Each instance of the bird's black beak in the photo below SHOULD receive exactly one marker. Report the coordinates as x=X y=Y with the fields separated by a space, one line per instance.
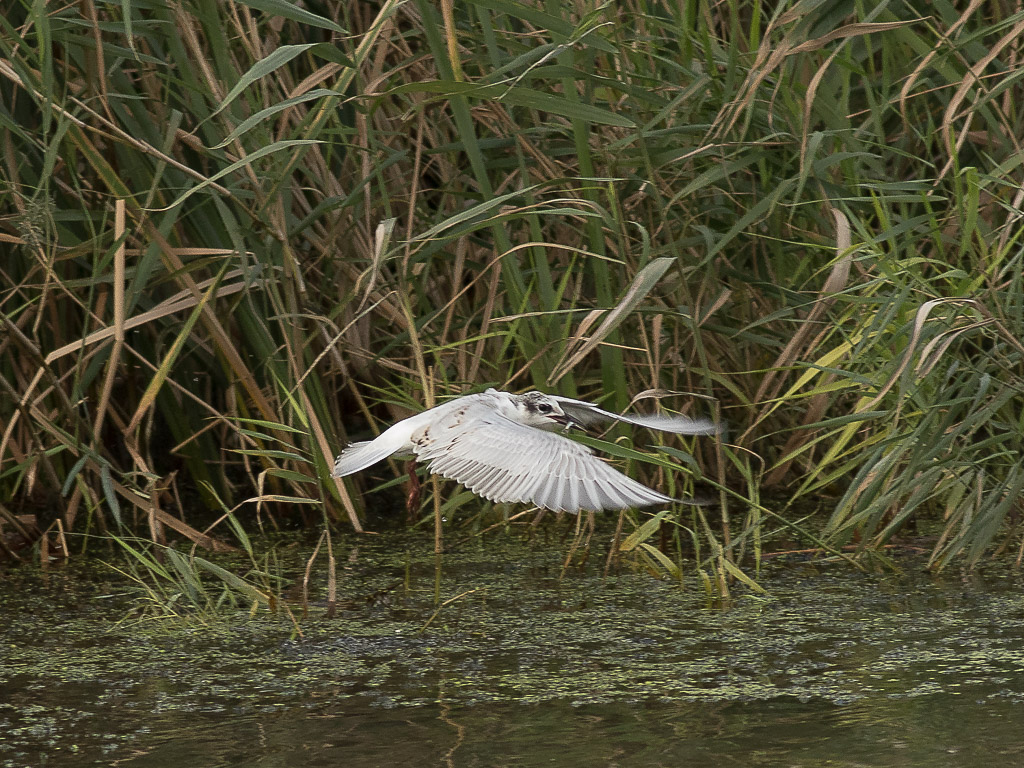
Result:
x=561 y=418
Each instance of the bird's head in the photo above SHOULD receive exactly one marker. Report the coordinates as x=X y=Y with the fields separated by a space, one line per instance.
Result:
x=535 y=409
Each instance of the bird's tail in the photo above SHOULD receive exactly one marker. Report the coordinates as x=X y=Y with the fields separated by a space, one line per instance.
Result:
x=359 y=456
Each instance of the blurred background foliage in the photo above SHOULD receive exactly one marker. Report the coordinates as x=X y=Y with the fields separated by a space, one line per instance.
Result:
x=238 y=234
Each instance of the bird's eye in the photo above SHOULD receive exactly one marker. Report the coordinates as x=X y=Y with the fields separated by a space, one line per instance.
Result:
x=544 y=408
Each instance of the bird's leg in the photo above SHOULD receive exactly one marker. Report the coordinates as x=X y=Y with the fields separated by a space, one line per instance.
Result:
x=412 y=500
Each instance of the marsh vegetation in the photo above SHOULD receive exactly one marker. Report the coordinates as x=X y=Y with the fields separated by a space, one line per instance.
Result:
x=239 y=234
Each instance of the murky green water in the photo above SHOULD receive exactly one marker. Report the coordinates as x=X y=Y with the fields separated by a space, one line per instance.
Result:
x=836 y=668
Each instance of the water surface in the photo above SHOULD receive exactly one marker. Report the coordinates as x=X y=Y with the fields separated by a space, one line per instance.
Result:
x=528 y=667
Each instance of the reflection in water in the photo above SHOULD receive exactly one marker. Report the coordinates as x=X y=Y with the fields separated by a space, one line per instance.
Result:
x=524 y=669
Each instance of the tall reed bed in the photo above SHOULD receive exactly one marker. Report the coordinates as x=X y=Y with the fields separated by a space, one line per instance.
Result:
x=238 y=233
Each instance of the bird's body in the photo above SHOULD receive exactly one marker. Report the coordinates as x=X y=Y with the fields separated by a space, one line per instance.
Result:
x=499 y=446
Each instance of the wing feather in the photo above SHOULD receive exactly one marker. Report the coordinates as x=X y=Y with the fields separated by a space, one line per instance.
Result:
x=360 y=456
x=587 y=414
x=505 y=461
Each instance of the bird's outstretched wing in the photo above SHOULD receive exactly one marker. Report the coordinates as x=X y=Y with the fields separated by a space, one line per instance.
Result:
x=505 y=461
x=586 y=414
x=360 y=456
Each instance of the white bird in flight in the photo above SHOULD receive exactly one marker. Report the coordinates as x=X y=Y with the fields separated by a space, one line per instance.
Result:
x=496 y=444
